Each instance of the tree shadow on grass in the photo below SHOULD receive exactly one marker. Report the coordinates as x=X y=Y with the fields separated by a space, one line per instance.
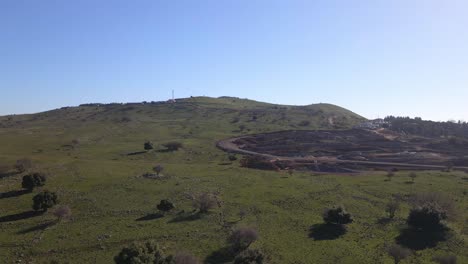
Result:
x=419 y=240
x=326 y=231
x=39 y=227
x=185 y=217
x=8 y=174
x=150 y=217
x=409 y=182
x=223 y=255
x=20 y=216
x=384 y=220
x=15 y=193
x=136 y=153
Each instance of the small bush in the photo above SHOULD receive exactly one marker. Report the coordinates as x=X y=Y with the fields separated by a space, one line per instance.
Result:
x=391 y=208
x=232 y=157
x=147 y=252
x=250 y=256
x=428 y=217
x=204 y=202
x=158 y=169
x=173 y=146
x=390 y=174
x=44 y=200
x=32 y=181
x=62 y=212
x=242 y=238
x=165 y=206
x=148 y=145
x=185 y=258
x=398 y=253
x=23 y=165
x=451 y=259
x=337 y=216
x=413 y=176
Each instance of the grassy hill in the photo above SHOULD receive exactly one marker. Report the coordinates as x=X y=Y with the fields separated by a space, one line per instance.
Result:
x=91 y=154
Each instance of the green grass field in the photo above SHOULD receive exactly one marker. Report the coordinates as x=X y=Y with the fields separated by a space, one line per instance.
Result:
x=109 y=197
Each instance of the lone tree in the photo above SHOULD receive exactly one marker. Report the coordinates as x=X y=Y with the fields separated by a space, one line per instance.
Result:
x=337 y=216
x=165 y=206
x=391 y=208
x=398 y=253
x=62 y=212
x=413 y=176
x=429 y=211
x=32 y=181
x=23 y=165
x=147 y=252
x=242 y=238
x=173 y=145
x=250 y=256
x=158 y=169
x=390 y=175
x=204 y=202
x=44 y=200
x=148 y=146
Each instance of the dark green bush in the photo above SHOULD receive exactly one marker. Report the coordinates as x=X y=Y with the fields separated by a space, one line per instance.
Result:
x=44 y=200
x=337 y=216
x=32 y=181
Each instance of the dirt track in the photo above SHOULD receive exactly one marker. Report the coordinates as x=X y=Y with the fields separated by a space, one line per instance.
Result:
x=249 y=145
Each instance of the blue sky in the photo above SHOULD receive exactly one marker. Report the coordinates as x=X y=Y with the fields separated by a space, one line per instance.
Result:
x=373 y=57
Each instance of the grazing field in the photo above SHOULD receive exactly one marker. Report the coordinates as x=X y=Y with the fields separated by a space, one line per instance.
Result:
x=95 y=162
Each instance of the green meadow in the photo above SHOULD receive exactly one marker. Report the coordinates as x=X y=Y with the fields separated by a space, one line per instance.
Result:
x=100 y=177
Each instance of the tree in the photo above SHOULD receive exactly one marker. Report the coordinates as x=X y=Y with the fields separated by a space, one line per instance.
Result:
x=450 y=259
x=62 y=212
x=428 y=217
x=185 y=258
x=23 y=165
x=391 y=208
x=413 y=176
x=44 y=200
x=398 y=253
x=173 y=145
x=142 y=253
x=165 y=206
x=390 y=175
x=250 y=256
x=204 y=202
x=148 y=146
x=337 y=216
x=158 y=169
x=242 y=238
x=32 y=181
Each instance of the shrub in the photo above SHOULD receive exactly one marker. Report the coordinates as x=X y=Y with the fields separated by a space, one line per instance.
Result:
x=250 y=256
x=165 y=206
x=158 y=169
x=391 y=208
x=32 y=181
x=44 y=200
x=428 y=217
x=62 y=212
x=413 y=176
x=390 y=174
x=148 y=145
x=185 y=258
x=242 y=238
x=232 y=157
x=147 y=252
x=398 y=253
x=23 y=165
x=337 y=216
x=173 y=145
x=451 y=259
x=204 y=202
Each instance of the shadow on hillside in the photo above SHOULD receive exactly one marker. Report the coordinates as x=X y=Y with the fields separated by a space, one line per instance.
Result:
x=20 y=216
x=150 y=217
x=409 y=182
x=223 y=255
x=15 y=193
x=136 y=153
x=419 y=240
x=164 y=150
x=39 y=227
x=8 y=174
x=326 y=231
x=185 y=217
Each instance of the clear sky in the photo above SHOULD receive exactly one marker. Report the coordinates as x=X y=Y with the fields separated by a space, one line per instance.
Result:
x=374 y=57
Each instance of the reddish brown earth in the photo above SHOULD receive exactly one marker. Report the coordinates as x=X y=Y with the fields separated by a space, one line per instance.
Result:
x=349 y=150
